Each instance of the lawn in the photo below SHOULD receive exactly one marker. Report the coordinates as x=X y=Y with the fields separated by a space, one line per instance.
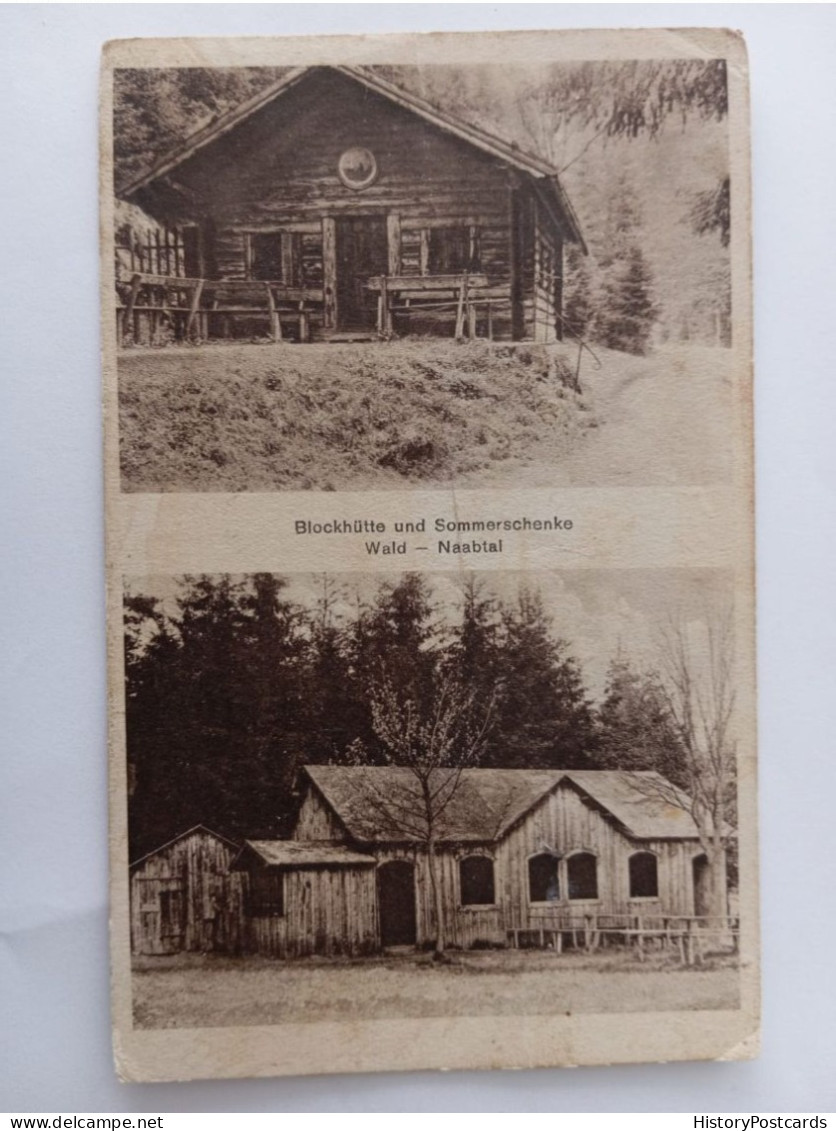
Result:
x=264 y=417
x=208 y=991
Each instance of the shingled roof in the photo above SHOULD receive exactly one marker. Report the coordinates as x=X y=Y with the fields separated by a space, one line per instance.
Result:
x=487 y=803
x=545 y=175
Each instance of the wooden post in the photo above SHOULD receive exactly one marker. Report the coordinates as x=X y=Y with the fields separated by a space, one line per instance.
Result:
x=424 y=255
x=288 y=241
x=393 y=242
x=490 y=321
x=460 y=307
x=127 y=318
x=275 y=321
x=193 y=307
x=329 y=272
x=304 y=324
x=385 y=313
x=471 y=319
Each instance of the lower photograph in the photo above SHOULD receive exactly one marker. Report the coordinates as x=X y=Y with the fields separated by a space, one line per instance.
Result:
x=415 y=795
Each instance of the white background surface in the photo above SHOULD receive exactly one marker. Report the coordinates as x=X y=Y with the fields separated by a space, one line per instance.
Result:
x=54 y=1022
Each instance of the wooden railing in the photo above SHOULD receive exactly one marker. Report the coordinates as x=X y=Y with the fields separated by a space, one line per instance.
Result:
x=191 y=308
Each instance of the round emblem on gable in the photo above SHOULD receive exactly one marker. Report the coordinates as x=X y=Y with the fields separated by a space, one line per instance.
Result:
x=357 y=168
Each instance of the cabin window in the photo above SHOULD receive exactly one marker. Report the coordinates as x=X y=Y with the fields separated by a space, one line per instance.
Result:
x=543 y=881
x=265 y=255
x=292 y=258
x=582 y=875
x=453 y=251
x=266 y=893
x=476 y=880
x=644 y=876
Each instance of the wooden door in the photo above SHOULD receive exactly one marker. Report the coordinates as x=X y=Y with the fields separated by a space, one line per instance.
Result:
x=362 y=251
x=172 y=919
x=396 y=903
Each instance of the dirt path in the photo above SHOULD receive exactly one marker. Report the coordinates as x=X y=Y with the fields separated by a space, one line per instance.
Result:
x=663 y=419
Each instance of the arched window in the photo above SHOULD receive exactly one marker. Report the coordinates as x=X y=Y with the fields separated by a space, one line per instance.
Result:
x=476 y=880
x=543 y=883
x=582 y=876
x=644 y=876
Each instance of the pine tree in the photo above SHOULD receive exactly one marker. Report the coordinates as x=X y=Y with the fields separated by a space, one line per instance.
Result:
x=635 y=728
x=627 y=312
x=579 y=307
x=543 y=716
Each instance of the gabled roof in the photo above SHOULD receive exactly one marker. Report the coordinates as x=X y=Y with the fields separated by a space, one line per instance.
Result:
x=638 y=799
x=182 y=836
x=380 y=803
x=299 y=854
x=509 y=152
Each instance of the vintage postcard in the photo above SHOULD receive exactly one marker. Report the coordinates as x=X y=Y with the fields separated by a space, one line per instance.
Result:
x=430 y=551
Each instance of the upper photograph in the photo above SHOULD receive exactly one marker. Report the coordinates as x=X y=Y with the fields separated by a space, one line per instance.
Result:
x=343 y=278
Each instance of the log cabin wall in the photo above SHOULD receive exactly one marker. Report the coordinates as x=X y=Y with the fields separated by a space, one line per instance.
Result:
x=184 y=897
x=279 y=175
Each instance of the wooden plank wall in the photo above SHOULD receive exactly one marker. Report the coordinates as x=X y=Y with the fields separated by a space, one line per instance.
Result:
x=327 y=910
x=196 y=871
x=568 y=824
x=316 y=820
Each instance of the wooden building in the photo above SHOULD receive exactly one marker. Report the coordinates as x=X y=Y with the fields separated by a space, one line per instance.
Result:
x=337 y=205
x=522 y=852
x=185 y=896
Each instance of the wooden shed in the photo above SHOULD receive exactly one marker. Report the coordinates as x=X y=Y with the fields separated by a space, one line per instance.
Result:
x=521 y=851
x=335 y=204
x=308 y=898
x=185 y=897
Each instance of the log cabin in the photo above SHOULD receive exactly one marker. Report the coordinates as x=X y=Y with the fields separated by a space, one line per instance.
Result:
x=335 y=205
x=523 y=856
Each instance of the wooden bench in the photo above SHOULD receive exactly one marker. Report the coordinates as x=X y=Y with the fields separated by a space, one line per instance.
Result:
x=398 y=293
x=279 y=304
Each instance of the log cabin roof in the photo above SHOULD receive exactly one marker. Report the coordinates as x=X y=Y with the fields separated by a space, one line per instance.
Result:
x=382 y=803
x=297 y=853
x=545 y=176
x=182 y=836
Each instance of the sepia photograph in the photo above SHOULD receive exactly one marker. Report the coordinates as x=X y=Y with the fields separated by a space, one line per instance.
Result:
x=397 y=276
x=391 y=796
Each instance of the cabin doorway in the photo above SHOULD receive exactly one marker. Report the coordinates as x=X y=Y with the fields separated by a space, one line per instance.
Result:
x=702 y=886
x=172 y=919
x=396 y=903
x=362 y=252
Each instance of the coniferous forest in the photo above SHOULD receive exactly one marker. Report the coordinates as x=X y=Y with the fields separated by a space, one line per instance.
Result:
x=232 y=686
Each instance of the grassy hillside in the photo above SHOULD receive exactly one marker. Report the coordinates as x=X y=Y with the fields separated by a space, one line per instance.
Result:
x=244 y=417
